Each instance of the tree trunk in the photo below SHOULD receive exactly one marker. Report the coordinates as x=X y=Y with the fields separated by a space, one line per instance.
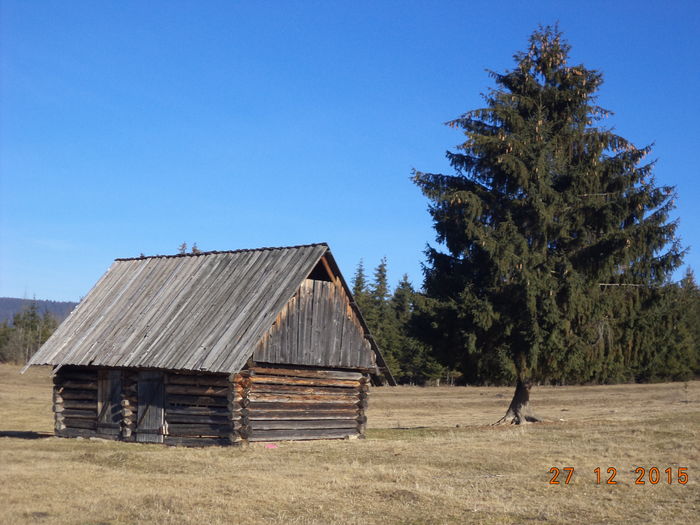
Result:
x=519 y=411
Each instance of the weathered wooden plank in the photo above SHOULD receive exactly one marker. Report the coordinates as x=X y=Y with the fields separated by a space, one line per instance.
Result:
x=195 y=410
x=349 y=413
x=301 y=389
x=79 y=414
x=326 y=356
x=293 y=338
x=196 y=442
x=79 y=385
x=316 y=324
x=306 y=317
x=80 y=404
x=335 y=325
x=195 y=390
x=282 y=424
x=79 y=394
x=198 y=380
x=351 y=397
x=178 y=429
x=288 y=435
x=307 y=372
x=283 y=380
x=195 y=419
x=254 y=406
x=64 y=376
x=176 y=399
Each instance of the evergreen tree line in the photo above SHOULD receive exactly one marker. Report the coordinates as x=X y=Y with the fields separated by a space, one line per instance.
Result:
x=22 y=337
x=653 y=336
x=388 y=316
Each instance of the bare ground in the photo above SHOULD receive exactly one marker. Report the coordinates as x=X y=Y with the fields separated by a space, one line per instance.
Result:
x=430 y=457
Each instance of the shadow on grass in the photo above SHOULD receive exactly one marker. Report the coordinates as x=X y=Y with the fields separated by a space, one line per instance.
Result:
x=25 y=434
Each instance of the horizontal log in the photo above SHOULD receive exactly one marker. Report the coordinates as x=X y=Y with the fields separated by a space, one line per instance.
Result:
x=196 y=442
x=196 y=390
x=302 y=414
x=79 y=394
x=301 y=389
x=79 y=385
x=289 y=435
x=80 y=423
x=349 y=424
x=283 y=380
x=75 y=432
x=199 y=411
x=299 y=398
x=78 y=414
x=197 y=400
x=196 y=419
x=80 y=404
x=64 y=376
x=203 y=380
x=310 y=372
x=262 y=405
x=198 y=430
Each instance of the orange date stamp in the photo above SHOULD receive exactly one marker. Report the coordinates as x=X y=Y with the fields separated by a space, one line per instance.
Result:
x=609 y=476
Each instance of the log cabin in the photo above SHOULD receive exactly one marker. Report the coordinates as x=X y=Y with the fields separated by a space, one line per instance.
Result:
x=215 y=348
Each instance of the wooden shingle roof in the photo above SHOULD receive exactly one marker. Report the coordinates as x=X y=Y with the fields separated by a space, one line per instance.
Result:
x=185 y=312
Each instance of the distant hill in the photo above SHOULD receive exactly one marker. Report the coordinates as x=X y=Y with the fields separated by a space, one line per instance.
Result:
x=9 y=306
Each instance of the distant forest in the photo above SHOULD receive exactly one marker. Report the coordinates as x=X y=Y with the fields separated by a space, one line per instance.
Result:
x=26 y=325
x=9 y=306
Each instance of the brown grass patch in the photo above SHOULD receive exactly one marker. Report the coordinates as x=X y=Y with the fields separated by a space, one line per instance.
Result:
x=441 y=473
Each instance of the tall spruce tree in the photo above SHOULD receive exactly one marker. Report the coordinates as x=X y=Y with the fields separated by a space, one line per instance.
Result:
x=360 y=289
x=547 y=213
x=381 y=319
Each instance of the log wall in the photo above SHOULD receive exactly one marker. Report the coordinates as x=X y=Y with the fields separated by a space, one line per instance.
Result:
x=261 y=403
x=285 y=403
x=75 y=402
x=198 y=409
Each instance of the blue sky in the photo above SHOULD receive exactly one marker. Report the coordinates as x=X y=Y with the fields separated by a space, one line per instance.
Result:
x=130 y=127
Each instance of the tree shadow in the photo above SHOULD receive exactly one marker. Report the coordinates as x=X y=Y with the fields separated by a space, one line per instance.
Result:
x=25 y=434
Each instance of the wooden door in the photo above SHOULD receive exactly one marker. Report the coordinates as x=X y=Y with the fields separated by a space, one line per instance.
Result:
x=109 y=396
x=151 y=408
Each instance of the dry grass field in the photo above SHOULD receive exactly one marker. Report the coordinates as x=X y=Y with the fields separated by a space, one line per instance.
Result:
x=430 y=457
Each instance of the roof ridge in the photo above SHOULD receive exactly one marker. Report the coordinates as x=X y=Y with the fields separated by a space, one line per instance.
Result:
x=214 y=252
